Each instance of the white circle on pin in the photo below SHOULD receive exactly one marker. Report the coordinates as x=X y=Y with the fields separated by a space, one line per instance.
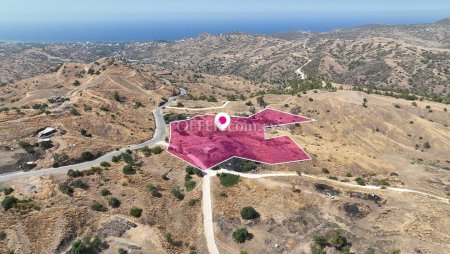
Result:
x=222 y=121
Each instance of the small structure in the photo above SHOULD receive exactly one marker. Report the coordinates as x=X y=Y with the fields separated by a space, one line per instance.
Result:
x=47 y=132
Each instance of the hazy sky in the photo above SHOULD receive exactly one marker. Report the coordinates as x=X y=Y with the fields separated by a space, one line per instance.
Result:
x=82 y=10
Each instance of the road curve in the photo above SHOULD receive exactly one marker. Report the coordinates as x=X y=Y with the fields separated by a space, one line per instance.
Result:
x=158 y=136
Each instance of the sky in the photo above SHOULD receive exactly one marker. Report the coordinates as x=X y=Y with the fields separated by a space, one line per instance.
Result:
x=20 y=19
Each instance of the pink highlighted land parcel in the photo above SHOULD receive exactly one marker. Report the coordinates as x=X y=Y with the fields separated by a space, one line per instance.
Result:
x=199 y=142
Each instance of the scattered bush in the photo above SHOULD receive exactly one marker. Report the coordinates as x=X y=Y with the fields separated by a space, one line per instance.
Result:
x=136 y=212
x=87 y=245
x=249 y=213
x=241 y=235
x=177 y=193
x=65 y=189
x=427 y=145
x=87 y=156
x=74 y=112
x=189 y=185
x=337 y=240
x=316 y=249
x=80 y=184
x=2 y=235
x=249 y=166
x=228 y=180
x=122 y=251
x=93 y=171
x=115 y=159
x=74 y=173
x=360 y=181
x=8 y=190
x=311 y=99
x=76 y=83
x=96 y=206
x=128 y=170
x=320 y=240
x=224 y=195
x=397 y=106
x=9 y=202
x=157 y=150
x=114 y=202
x=192 y=202
x=154 y=191
x=105 y=192
x=105 y=164
x=384 y=182
x=325 y=170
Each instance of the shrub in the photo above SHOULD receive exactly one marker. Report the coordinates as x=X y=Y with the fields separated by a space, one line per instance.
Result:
x=384 y=182
x=8 y=190
x=114 y=202
x=105 y=164
x=397 y=106
x=65 y=189
x=187 y=177
x=333 y=178
x=154 y=191
x=320 y=240
x=414 y=104
x=92 y=171
x=360 y=181
x=122 y=251
x=128 y=170
x=87 y=156
x=136 y=212
x=2 y=235
x=85 y=133
x=337 y=240
x=177 y=193
x=228 y=180
x=316 y=249
x=190 y=170
x=249 y=166
x=241 y=235
x=325 y=170
x=115 y=159
x=249 y=213
x=396 y=251
x=157 y=150
x=96 y=206
x=105 y=192
x=74 y=112
x=427 y=145
x=189 y=185
x=192 y=202
x=76 y=83
x=127 y=158
x=224 y=195
x=9 y=202
x=74 y=173
x=80 y=184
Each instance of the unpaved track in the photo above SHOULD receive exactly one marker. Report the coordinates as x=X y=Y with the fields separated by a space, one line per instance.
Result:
x=158 y=137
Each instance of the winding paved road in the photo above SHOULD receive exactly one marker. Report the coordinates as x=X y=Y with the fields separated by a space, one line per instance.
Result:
x=158 y=136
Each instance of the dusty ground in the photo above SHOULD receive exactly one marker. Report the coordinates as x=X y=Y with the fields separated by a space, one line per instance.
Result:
x=62 y=219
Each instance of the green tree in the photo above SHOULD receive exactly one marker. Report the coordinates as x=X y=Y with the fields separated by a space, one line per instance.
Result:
x=189 y=185
x=154 y=191
x=2 y=235
x=241 y=235
x=96 y=206
x=128 y=170
x=87 y=156
x=9 y=202
x=136 y=212
x=177 y=193
x=320 y=240
x=157 y=150
x=114 y=202
x=8 y=190
x=316 y=249
x=65 y=189
x=105 y=192
x=249 y=213
x=337 y=240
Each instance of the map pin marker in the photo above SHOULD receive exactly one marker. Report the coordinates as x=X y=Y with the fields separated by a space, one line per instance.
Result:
x=222 y=121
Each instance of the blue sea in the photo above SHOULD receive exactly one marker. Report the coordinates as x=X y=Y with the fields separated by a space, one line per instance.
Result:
x=179 y=27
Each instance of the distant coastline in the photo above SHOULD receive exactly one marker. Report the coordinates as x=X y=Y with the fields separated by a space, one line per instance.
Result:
x=144 y=31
